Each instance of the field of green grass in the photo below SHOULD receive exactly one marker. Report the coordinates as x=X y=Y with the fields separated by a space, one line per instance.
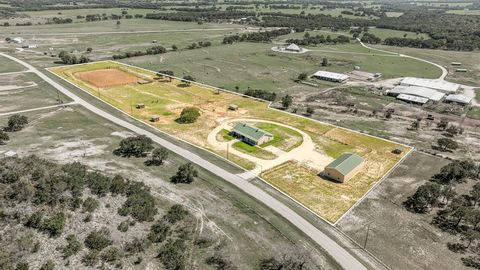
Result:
x=7 y=65
x=253 y=150
x=255 y=65
x=386 y=33
x=30 y=98
x=469 y=61
x=474 y=12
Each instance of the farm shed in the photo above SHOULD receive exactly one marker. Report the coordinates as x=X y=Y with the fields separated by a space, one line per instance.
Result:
x=251 y=134
x=345 y=167
x=233 y=107
x=460 y=99
x=330 y=76
x=423 y=92
x=293 y=47
x=442 y=86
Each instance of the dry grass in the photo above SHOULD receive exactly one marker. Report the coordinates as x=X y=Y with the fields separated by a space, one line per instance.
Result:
x=107 y=77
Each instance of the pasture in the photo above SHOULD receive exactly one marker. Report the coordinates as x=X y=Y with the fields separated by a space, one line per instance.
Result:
x=167 y=98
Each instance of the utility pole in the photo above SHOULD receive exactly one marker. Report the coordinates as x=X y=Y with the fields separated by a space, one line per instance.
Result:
x=366 y=237
x=228 y=146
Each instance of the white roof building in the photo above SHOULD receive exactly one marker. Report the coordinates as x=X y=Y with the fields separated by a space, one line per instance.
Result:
x=293 y=47
x=17 y=40
x=330 y=76
x=10 y=154
x=410 y=98
x=442 y=86
x=461 y=99
x=423 y=92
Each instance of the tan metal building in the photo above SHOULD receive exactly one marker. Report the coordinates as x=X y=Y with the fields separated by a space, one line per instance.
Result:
x=344 y=168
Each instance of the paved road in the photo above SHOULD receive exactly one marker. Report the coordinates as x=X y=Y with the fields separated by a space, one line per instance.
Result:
x=339 y=253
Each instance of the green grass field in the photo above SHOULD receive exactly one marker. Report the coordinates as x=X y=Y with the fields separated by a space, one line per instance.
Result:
x=386 y=33
x=254 y=65
x=164 y=96
x=253 y=150
x=7 y=65
x=474 y=12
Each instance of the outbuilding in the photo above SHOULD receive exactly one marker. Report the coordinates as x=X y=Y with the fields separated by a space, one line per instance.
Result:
x=293 y=48
x=344 y=168
x=330 y=76
x=250 y=134
x=439 y=85
x=154 y=118
x=459 y=99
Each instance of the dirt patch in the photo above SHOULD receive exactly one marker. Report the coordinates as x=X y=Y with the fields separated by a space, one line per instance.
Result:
x=107 y=77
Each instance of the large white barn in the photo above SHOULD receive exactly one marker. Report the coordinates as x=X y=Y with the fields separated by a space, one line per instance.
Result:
x=421 y=92
x=330 y=76
x=442 y=86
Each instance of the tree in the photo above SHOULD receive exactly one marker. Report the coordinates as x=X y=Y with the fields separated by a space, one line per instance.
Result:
x=187 y=79
x=302 y=76
x=475 y=193
x=22 y=266
x=456 y=171
x=168 y=73
x=310 y=110
x=159 y=155
x=73 y=246
x=54 y=224
x=16 y=122
x=134 y=146
x=174 y=47
x=452 y=130
x=442 y=124
x=140 y=205
x=186 y=174
x=98 y=239
x=415 y=124
x=447 y=144
x=3 y=137
x=89 y=49
x=324 y=62
x=189 y=115
x=425 y=197
x=287 y=101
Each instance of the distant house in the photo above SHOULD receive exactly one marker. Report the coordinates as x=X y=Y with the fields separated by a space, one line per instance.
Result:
x=456 y=63
x=140 y=106
x=251 y=134
x=293 y=48
x=330 y=76
x=233 y=107
x=17 y=40
x=154 y=118
x=344 y=168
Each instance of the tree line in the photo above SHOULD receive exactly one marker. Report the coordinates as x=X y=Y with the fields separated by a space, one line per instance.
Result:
x=207 y=16
x=149 y=51
x=319 y=39
x=263 y=36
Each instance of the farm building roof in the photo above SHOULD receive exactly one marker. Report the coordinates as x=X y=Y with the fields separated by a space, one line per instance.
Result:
x=442 y=86
x=249 y=131
x=346 y=163
x=411 y=98
x=422 y=92
x=293 y=47
x=330 y=75
x=459 y=99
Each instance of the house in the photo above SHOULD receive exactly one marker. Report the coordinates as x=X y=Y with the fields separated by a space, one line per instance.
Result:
x=17 y=40
x=140 y=106
x=344 y=168
x=9 y=154
x=250 y=134
x=330 y=76
x=456 y=63
x=293 y=48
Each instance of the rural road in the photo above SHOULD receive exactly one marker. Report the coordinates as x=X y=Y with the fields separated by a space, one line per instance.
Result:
x=340 y=254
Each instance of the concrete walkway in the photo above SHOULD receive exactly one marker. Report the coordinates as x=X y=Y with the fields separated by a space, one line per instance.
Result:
x=338 y=252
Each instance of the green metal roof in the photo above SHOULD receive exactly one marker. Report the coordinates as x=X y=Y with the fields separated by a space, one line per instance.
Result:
x=249 y=131
x=346 y=163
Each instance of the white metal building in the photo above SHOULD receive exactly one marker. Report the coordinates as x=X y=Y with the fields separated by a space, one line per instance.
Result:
x=422 y=92
x=442 y=86
x=412 y=99
x=460 y=99
x=330 y=76
x=293 y=47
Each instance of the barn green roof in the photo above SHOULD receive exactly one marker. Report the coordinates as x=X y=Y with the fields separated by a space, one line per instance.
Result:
x=345 y=163
x=250 y=132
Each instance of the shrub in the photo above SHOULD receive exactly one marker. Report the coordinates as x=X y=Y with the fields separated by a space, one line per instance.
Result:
x=189 y=115
x=134 y=146
x=176 y=213
x=54 y=225
x=98 y=239
x=90 y=204
x=172 y=254
x=159 y=231
x=111 y=254
x=140 y=206
x=135 y=246
x=16 y=122
x=98 y=183
x=48 y=265
x=22 y=266
x=186 y=173
x=73 y=246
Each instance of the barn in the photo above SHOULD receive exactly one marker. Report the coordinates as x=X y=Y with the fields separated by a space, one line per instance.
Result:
x=251 y=134
x=344 y=168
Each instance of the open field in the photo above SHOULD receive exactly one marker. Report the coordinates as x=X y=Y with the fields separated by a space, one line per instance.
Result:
x=255 y=65
x=401 y=239
x=445 y=58
x=107 y=77
x=167 y=99
x=474 y=12
x=75 y=134
x=386 y=33
x=32 y=92
x=7 y=65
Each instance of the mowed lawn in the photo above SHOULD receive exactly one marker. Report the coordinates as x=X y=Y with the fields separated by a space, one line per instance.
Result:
x=7 y=65
x=167 y=99
x=240 y=66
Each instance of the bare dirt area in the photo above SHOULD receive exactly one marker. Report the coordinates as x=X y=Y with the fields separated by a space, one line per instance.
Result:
x=105 y=78
x=401 y=239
